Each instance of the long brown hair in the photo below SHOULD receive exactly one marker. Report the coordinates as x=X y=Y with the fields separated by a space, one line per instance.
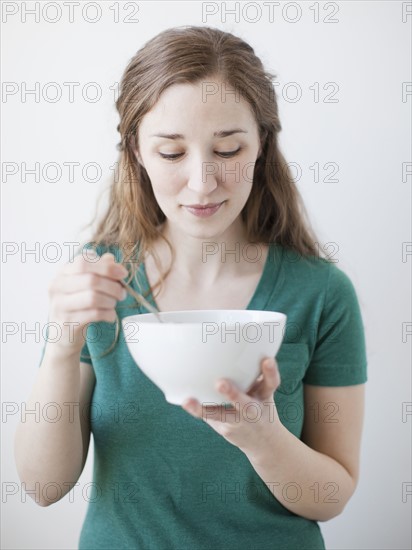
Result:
x=274 y=211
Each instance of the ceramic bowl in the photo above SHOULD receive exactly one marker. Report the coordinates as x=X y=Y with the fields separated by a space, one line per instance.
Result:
x=187 y=353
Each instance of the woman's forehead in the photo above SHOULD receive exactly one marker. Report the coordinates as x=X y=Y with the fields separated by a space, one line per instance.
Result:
x=182 y=106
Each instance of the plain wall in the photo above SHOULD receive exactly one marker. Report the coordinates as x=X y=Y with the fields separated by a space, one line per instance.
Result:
x=366 y=212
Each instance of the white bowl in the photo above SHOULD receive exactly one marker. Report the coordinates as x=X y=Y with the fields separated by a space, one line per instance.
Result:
x=187 y=354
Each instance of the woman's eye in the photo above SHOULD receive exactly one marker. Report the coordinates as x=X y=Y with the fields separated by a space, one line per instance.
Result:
x=230 y=153
x=175 y=156
x=170 y=157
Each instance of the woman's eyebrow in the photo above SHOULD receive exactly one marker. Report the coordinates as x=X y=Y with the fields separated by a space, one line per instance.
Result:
x=220 y=134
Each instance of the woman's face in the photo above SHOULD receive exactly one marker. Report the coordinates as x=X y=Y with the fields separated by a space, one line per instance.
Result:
x=199 y=145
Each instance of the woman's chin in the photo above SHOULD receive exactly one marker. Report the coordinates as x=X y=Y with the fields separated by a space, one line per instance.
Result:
x=204 y=232
x=187 y=224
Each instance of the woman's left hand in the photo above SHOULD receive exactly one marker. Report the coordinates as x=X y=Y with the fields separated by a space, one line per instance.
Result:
x=253 y=417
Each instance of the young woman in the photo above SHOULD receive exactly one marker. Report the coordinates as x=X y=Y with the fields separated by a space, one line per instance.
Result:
x=203 y=207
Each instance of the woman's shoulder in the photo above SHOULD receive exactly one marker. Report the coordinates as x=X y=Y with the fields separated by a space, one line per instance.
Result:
x=313 y=269
x=295 y=260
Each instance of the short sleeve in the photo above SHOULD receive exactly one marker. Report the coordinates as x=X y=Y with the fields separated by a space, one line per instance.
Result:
x=339 y=356
x=85 y=354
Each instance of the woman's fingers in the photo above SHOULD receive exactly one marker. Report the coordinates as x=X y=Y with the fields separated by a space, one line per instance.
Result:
x=255 y=384
x=270 y=381
x=87 y=299
x=262 y=389
x=85 y=290
x=79 y=282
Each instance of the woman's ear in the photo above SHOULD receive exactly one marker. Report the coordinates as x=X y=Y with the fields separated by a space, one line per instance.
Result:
x=138 y=157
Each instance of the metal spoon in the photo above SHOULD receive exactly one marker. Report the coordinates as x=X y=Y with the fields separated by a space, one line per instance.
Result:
x=141 y=300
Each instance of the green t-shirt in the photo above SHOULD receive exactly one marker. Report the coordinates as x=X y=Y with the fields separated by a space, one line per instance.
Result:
x=166 y=480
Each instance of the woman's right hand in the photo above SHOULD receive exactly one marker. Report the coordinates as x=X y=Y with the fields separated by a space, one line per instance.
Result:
x=84 y=291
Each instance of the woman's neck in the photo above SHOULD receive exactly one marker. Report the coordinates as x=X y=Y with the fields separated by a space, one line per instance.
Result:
x=205 y=260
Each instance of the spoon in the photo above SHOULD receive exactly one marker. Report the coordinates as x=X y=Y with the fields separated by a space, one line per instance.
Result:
x=141 y=300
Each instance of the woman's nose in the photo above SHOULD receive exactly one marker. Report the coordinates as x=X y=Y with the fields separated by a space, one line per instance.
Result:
x=202 y=176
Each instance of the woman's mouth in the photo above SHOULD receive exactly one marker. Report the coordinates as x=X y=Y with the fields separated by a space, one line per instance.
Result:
x=204 y=211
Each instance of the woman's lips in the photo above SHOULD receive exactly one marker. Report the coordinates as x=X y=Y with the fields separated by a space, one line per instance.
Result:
x=204 y=212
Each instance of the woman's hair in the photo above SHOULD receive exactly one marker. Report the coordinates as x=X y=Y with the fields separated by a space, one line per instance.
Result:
x=274 y=211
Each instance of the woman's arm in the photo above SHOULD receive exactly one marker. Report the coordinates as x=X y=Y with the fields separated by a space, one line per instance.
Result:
x=316 y=477
x=51 y=450
x=313 y=478
x=48 y=451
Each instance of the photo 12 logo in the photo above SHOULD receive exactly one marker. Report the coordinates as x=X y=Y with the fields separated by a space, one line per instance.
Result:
x=270 y=12
x=70 y=12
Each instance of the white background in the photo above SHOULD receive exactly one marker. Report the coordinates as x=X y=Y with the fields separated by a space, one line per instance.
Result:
x=366 y=213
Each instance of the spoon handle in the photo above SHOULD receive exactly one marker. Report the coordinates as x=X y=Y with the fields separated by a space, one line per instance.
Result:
x=141 y=300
